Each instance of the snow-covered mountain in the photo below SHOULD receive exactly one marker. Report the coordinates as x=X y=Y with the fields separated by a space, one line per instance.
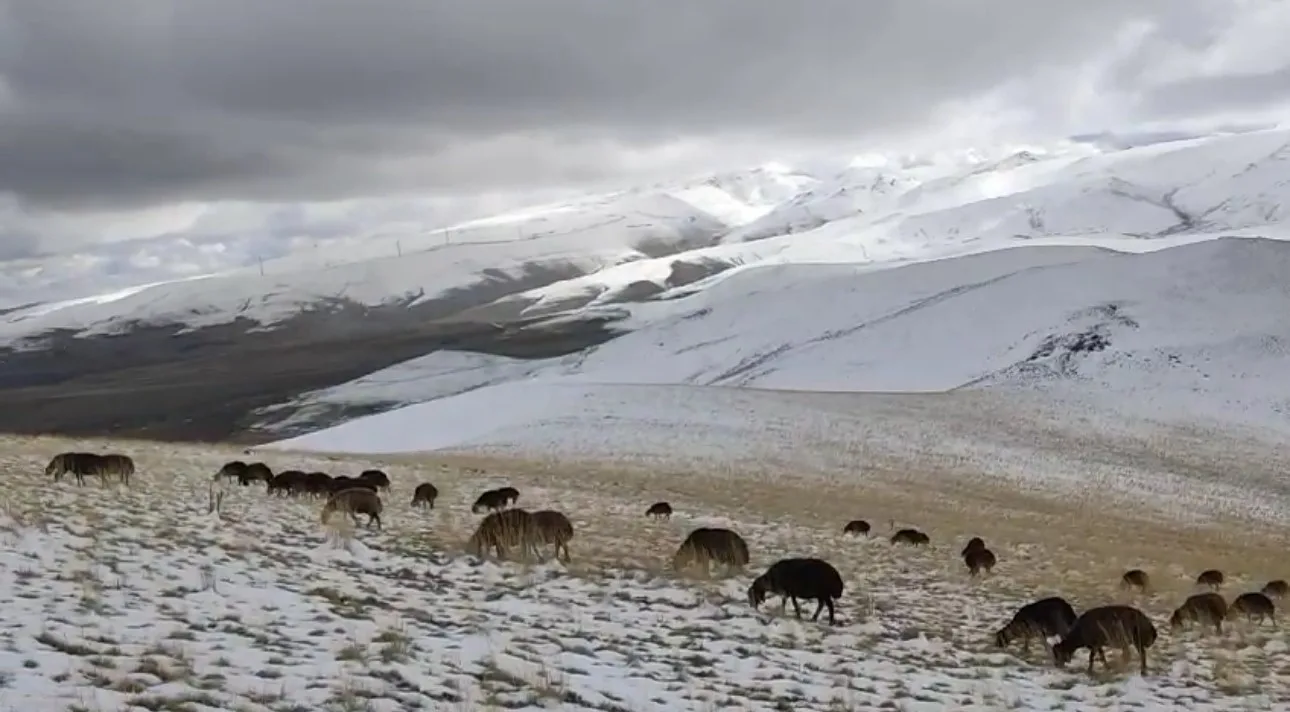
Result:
x=569 y=279
x=1194 y=333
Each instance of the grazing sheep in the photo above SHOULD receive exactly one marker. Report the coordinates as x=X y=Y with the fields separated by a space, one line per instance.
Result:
x=355 y=501
x=231 y=470
x=117 y=465
x=554 y=528
x=1097 y=628
x=707 y=544
x=978 y=559
x=376 y=477
x=341 y=483
x=1135 y=578
x=1212 y=578
x=491 y=500
x=1201 y=608
x=806 y=578
x=317 y=484
x=912 y=537
x=255 y=472
x=856 y=527
x=1042 y=619
x=659 y=510
x=287 y=482
x=510 y=495
x=79 y=464
x=1254 y=606
x=505 y=530
x=424 y=495
x=1276 y=589
x=973 y=544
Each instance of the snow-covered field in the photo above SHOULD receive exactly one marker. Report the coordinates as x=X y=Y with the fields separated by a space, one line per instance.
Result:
x=139 y=599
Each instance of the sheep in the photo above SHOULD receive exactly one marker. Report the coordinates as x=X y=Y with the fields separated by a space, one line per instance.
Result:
x=342 y=483
x=1254 y=606
x=705 y=545
x=805 y=578
x=1276 y=589
x=1212 y=578
x=285 y=483
x=491 y=499
x=317 y=483
x=978 y=559
x=231 y=470
x=509 y=495
x=1041 y=619
x=1201 y=608
x=376 y=477
x=116 y=465
x=1099 y=627
x=1135 y=578
x=79 y=464
x=554 y=528
x=856 y=527
x=973 y=544
x=355 y=501
x=503 y=530
x=255 y=472
x=424 y=495
x=912 y=537
x=659 y=510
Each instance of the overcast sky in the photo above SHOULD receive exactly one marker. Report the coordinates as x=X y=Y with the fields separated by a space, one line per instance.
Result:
x=111 y=113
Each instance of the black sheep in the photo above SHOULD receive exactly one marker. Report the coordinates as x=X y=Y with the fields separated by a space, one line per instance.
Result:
x=1255 y=606
x=978 y=560
x=1041 y=619
x=659 y=510
x=856 y=526
x=1201 y=608
x=1117 y=625
x=806 y=578
x=910 y=536
x=973 y=544
x=1212 y=578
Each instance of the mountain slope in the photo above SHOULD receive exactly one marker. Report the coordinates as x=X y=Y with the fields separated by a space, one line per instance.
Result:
x=1194 y=331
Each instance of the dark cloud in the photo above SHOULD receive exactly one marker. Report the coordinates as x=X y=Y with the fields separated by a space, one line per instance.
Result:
x=136 y=102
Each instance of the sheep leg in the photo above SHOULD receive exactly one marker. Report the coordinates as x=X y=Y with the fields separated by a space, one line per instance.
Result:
x=783 y=604
x=797 y=609
x=1142 y=655
x=829 y=602
x=818 y=609
x=374 y=518
x=1092 y=654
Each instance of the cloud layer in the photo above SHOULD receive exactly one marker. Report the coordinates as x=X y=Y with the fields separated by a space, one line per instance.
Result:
x=136 y=104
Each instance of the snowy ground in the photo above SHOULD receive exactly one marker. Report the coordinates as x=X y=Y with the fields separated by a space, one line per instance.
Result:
x=138 y=599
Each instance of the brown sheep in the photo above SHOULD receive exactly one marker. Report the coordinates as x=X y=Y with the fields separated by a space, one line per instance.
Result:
x=79 y=464
x=554 y=528
x=806 y=578
x=978 y=560
x=255 y=472
x=1256 y=607
x=1135 y=578
x=503 y=531
x=231 y=470
x=1097 y=628
x=973 y=544
x=1276 y=589
x=707 y=544
x=1212 y=578
x=355 y=501
x=317 y=484
x=375 y=477
x=856 y=527
x=424 y=495
x=1201 y=608
x=287 y=482
x=912 y=537
x=490 y=500
x=659 y=510
x=115 y=465
x=1041 y=619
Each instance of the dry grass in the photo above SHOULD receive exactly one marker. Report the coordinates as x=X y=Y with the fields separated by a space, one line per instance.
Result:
x=915 y=611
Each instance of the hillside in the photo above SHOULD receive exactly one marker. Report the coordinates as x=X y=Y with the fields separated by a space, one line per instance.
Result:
x=1190 y=332
x=204 y=354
